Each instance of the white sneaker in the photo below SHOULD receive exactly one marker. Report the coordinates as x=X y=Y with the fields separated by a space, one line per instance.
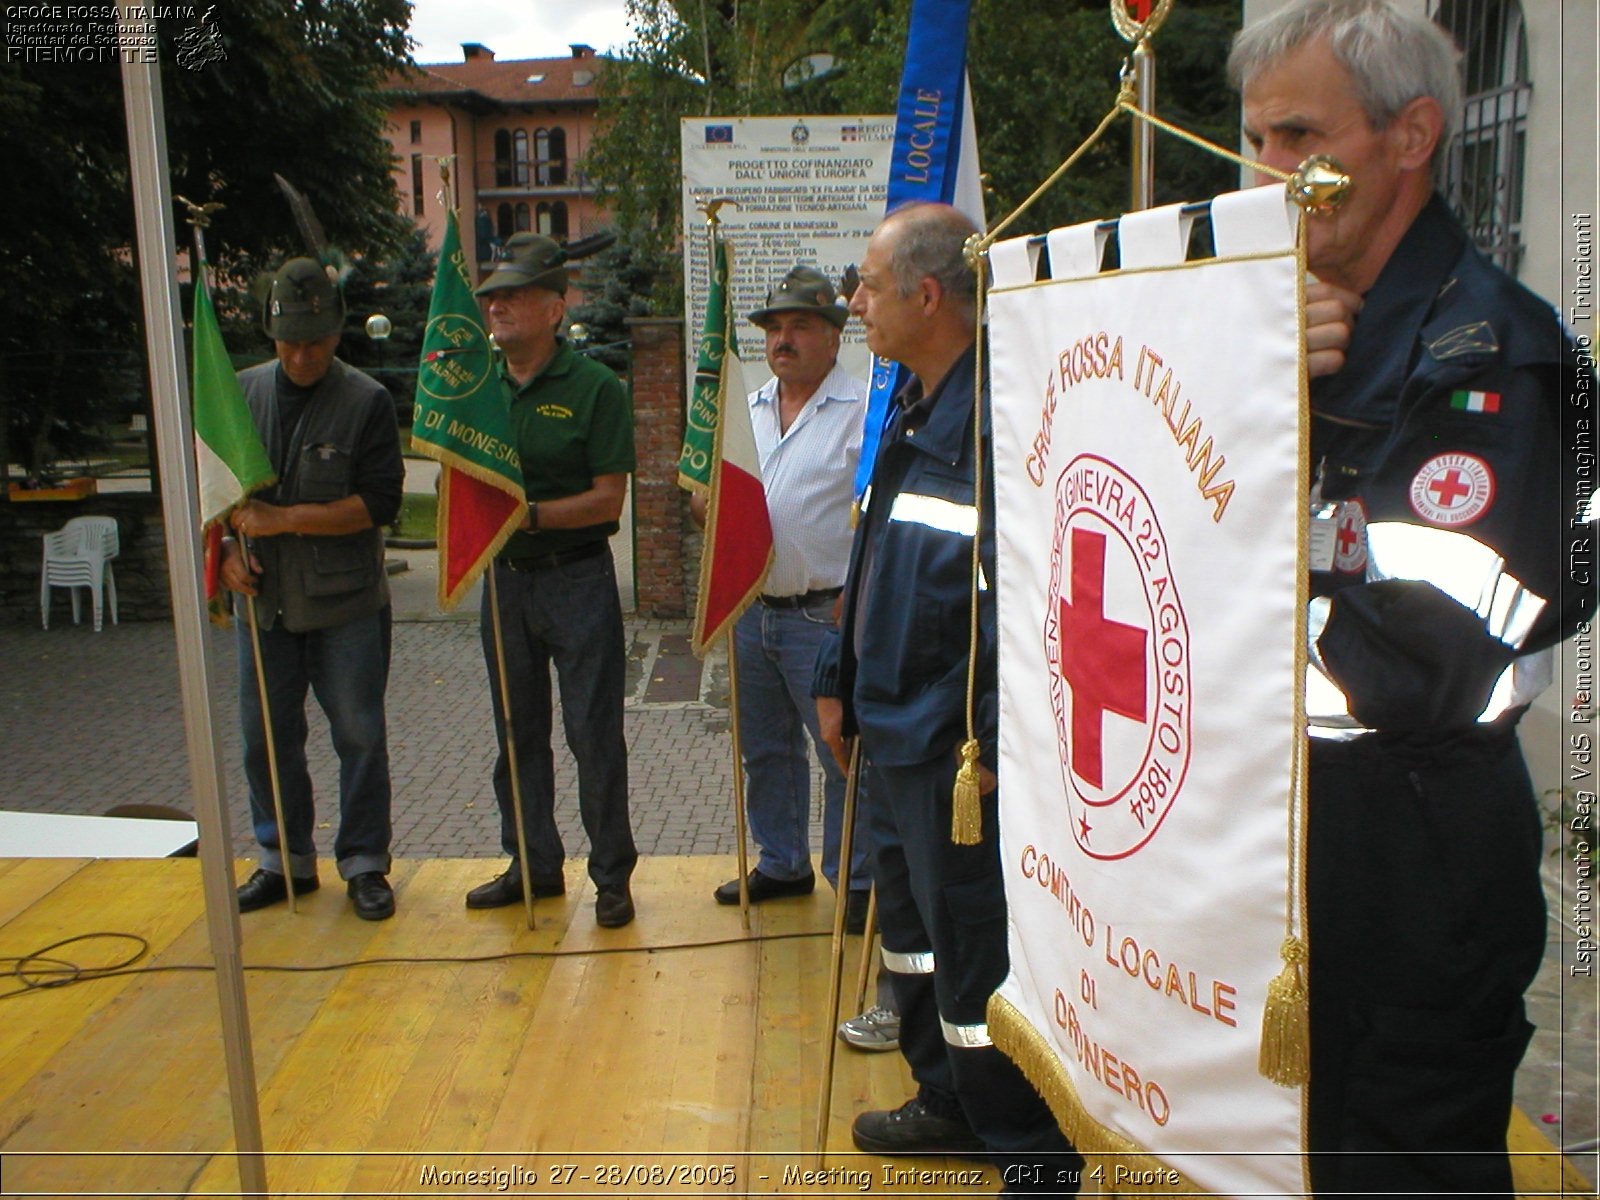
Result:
x=876 y=1029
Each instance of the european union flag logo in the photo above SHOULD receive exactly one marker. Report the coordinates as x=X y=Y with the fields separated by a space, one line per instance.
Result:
x=719 y=133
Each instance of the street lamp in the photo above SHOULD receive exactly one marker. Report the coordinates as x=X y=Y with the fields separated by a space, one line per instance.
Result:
x=579 y=335
x=379 y=327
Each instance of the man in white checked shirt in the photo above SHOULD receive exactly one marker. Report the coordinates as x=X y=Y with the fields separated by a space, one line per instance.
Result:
x=807 y=421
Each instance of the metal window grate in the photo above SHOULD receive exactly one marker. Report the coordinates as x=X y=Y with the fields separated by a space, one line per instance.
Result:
x=1483 y=179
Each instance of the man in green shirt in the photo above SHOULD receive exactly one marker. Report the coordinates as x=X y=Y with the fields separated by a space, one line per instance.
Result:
x=573 y=428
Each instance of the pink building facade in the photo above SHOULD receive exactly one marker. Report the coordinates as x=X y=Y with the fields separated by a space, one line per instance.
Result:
x=519 y=131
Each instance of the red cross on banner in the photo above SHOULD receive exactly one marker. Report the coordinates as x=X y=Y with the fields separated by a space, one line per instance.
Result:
x=1102 y=661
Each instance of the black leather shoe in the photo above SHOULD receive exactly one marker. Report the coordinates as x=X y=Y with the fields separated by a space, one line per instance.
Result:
x=765 y=887
x=855 y=912
x=267 y=887
x=613 y=905
x=507 y=889
x=913 y=1129
x=372 y=896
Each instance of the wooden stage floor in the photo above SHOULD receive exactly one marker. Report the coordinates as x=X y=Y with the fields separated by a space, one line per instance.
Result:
x=574 y=1061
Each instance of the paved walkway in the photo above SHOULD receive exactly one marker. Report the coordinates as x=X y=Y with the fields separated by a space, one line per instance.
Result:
x=96 y=720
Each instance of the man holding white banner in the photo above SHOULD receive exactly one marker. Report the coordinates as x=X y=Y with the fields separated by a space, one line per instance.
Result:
x=1443 y=494
x=897 y=675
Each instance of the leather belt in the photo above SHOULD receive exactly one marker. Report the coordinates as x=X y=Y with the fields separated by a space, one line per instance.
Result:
x=804 y=599
x=556 y=558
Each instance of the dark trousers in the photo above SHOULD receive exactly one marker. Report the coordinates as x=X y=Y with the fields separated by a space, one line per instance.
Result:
x=948 y=900
x=1427 y=923
x=570 y=617
x=347 y=668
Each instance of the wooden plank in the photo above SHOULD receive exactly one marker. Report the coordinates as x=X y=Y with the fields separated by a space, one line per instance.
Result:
x=643 y=1062
x=155 y=899
x=461 y=1070
x=25 y=881
x=1537 y=1167
x=629 y=1008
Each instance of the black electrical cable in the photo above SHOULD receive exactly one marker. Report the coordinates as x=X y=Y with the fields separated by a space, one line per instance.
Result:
x=65 y=973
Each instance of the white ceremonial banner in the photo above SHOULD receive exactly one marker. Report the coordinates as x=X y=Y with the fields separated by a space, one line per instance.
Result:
x=1146 y=445
x=805 y=190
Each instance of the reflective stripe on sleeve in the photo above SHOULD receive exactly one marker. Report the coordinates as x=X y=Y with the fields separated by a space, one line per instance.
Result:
x=968 y=1037
x=908 y=964
x=1463 y=568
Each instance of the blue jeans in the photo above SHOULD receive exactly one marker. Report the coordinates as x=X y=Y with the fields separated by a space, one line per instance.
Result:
x=569 y=616
x=347 y=666
x=776 y=650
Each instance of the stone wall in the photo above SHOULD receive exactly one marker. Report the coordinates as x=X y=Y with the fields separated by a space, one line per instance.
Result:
x=143 y=591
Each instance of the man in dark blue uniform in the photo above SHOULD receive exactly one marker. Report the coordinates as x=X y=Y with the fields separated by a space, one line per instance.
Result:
x=897 y=676
x=1449 y=493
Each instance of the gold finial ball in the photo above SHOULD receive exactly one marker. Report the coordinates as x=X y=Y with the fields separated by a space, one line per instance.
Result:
x=1320 y=185
x=972 y=250
x=1133 y=30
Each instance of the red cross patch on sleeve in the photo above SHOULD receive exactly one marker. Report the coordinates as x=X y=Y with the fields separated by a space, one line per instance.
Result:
x=1452 y=490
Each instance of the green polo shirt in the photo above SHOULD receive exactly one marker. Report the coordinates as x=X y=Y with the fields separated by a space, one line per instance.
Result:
x=572 y=423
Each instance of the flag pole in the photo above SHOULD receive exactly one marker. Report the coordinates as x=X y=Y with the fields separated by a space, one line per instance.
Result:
x=156 y=257
x=841 y=900
x=197 y=221
x=869 y=931
x=511 y=745
x=198 y=218
x=272 y=746
x=738 y=769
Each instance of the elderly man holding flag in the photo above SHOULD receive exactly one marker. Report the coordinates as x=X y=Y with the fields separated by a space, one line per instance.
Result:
x=571 y=429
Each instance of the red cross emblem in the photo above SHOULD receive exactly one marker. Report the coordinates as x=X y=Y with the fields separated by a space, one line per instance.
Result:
x=1102 y=661
x=1452 y=489
x=1117 y=643
x=1350 y=541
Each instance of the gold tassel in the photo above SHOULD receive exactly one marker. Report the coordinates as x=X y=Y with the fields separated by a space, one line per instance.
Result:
x=1285 y=1021
x=966 y=817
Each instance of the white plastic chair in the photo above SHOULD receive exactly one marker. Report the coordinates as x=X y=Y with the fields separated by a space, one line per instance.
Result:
x=79 y=555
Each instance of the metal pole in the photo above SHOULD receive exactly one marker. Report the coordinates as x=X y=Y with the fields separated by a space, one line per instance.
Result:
x=170 y=403
x=836 y=966
x=1144 y=134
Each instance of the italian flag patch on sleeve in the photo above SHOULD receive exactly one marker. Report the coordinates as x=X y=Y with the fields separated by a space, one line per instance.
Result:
x=1478 y=402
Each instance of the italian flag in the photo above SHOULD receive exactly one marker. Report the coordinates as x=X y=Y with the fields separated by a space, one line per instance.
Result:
x=461 y=420
x=719 y=457
x=231 y=461
x=1478 y=402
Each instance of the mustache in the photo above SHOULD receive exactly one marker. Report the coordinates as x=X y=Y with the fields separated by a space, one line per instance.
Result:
x=784 y=348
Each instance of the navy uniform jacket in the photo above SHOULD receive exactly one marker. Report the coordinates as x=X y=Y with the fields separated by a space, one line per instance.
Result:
x=900 y=660
x=1455 y=431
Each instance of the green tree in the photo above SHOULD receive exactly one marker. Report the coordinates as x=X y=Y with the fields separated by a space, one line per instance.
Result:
x=298 y=93
x=618 y=283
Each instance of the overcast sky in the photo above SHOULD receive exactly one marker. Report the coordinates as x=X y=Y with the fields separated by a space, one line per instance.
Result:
x=515 y=28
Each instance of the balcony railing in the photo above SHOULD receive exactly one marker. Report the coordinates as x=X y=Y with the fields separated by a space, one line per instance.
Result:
x=512 y=174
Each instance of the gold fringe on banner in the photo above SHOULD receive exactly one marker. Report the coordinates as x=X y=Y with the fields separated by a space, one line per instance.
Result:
x=1103 y=1149
x=1285 y=1020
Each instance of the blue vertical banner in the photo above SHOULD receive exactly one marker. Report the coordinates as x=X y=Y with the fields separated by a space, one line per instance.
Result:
x=935 y=158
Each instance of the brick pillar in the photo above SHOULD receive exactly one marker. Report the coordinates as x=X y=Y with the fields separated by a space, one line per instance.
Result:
x=659 y=505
